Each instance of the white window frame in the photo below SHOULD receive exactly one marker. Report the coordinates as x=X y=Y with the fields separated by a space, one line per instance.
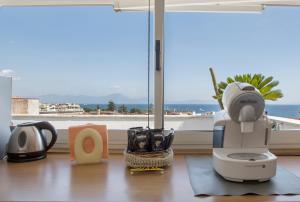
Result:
x=187 y=140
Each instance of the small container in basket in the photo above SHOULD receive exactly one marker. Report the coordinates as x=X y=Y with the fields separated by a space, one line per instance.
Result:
x=149 y=148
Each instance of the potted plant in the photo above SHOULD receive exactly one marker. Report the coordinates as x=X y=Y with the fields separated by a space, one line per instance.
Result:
x=264 y=84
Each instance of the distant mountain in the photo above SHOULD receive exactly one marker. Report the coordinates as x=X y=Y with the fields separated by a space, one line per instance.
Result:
x=117 y=98
x=85 y=99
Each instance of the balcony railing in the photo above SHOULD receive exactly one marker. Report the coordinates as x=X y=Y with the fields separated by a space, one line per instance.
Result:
x=192 y=131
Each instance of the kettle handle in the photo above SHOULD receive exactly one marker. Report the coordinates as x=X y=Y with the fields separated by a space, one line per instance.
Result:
x=44 y=125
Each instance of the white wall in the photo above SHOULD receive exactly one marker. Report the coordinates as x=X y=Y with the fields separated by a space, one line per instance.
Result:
x=5 y=112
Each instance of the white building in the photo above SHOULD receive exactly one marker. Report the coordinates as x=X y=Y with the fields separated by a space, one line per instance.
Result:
x=29 y=106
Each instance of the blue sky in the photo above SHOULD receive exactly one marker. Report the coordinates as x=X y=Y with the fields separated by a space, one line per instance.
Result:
x=95 y=51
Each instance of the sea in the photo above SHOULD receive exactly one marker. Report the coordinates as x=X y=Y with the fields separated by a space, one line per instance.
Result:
x=288 y=111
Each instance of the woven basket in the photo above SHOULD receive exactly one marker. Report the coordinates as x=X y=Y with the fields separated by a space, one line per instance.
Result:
x=149 y=159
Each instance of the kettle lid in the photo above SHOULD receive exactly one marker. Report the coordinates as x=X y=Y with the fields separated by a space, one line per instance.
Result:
x=27 y=124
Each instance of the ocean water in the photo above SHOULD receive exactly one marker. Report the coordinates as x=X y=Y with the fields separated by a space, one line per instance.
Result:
x=288 y=111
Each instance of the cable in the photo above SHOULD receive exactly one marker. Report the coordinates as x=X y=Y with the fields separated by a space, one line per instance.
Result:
x=148 y=45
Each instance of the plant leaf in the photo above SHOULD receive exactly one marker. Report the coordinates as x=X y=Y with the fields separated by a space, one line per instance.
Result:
x=268 y=87
x=230 y=80
x=222 y=85
x=273 y=95
x=265 y=82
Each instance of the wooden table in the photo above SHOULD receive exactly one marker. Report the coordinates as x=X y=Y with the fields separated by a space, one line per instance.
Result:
x=56 y=179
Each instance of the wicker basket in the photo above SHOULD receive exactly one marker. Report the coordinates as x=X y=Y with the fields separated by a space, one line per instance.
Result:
x=149 y=159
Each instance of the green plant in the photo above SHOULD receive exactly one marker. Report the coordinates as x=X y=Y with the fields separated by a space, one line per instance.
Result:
x=264 y=84
x=87 y=109
x=123 y=109
x=135 y=111
x=111 y=106
x=218 y=92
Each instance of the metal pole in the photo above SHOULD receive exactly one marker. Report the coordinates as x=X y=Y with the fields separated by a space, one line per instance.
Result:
x=159 y=10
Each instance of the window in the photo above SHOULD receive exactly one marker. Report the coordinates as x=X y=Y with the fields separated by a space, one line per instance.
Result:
x=265 y=43
x=71 y=56
x=91 y=55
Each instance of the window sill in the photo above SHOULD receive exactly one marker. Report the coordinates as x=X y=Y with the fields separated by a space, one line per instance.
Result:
x=189 y=141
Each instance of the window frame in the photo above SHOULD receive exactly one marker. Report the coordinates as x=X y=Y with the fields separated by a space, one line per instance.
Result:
x=187 y=140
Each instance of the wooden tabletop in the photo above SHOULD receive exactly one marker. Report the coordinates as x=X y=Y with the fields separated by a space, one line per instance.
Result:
x=56 y=179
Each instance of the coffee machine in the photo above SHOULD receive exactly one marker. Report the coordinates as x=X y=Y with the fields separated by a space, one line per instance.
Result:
x=241 y=135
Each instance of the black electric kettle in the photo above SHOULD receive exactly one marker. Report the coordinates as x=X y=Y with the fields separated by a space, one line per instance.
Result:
x=28 y=143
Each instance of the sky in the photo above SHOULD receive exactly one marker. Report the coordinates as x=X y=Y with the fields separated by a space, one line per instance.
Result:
x=95 y=51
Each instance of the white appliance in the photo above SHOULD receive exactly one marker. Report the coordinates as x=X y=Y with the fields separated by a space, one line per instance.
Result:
x=241 y=135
